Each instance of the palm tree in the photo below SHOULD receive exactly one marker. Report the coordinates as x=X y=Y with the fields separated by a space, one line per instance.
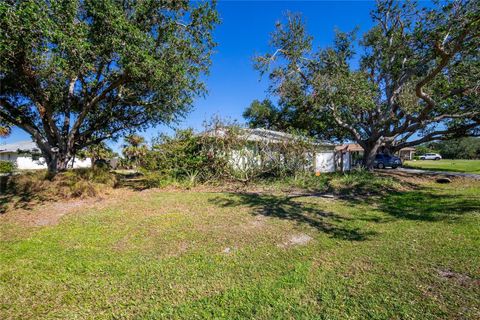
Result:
x=134 y=149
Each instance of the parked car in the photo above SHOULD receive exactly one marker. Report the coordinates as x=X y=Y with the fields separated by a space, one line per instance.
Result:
x=430 y=156
x=385 y=160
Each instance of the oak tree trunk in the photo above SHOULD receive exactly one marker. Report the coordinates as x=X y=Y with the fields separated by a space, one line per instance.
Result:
x=369 y=152
x=57 y=161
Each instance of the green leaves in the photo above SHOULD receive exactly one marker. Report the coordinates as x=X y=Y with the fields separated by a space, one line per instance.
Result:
x=418 y=74
x=86 y=71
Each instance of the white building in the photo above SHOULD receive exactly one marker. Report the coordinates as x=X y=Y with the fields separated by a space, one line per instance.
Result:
x=321 y=158
x=25 y=155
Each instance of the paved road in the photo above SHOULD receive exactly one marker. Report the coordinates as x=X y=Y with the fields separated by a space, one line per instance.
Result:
x=443 y=173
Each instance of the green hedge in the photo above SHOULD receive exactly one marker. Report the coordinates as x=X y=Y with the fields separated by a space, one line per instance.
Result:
x=6 y=167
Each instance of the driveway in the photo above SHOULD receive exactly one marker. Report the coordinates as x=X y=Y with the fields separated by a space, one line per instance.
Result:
x=441 y=173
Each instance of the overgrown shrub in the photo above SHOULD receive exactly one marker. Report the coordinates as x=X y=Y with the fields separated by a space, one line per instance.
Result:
x=245 y=155
x=155 y=179
x=306 y=182
x=176 y=157
x=70 y=184
x=226 y=153
x=6 y=167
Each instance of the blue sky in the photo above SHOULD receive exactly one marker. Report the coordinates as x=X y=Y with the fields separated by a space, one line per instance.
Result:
x=244 y=31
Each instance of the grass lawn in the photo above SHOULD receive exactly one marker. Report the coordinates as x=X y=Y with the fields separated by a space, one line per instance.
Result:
x=468 y=166
x=411 y=254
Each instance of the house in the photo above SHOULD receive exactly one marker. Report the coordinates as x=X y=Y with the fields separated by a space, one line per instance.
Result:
x=406 y=153
x=354 y=152
x=320 y=157
x=25 y=155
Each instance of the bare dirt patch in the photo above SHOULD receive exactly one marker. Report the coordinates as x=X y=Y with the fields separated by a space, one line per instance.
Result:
x=50 y=213
x=411 y=180
x=459 y=278
x=56 y=211
x=296 y=240
x=257 y=222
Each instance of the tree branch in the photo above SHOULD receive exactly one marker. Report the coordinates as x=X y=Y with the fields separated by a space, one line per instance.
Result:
x=81 y=117
x=16 y=118
x=68 y=108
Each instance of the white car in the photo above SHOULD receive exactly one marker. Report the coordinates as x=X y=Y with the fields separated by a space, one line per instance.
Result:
x=430 y=156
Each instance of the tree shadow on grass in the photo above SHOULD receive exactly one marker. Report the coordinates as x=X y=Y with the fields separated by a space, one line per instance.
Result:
x=286 y=208
x=425 y=205
x=25 y=200
x=26 y=197
x=420 y=203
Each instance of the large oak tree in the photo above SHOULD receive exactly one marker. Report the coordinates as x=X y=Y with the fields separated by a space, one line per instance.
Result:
x=74 y=73
x=418 y=77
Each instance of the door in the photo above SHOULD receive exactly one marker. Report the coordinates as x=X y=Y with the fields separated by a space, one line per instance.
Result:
x=325 y=162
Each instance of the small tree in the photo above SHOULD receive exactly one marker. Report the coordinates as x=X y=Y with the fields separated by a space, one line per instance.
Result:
x=134 y=149
x=179 y=156
x=417 y=81
x=75 y=73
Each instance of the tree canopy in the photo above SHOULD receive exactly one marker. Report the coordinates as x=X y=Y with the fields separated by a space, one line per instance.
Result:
x=418 y=77
x=462 y=148
x=75 y=73
x=292 y=118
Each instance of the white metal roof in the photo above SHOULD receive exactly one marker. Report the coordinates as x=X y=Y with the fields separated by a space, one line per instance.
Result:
x=260 y=134
x=25 y=146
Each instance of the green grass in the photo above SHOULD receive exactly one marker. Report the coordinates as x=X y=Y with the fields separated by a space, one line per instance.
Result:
x=467 y=166
x=411 y=254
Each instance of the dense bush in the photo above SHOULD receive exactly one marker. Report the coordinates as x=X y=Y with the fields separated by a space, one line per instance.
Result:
x=176 y=157
x=224 y=153
x=6 y=167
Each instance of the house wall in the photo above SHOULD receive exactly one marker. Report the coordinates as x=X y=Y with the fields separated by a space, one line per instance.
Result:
x=7 y=157
x=25 y=162
x=325 y=161
x=245 y=159
x=86 y=163
x=347 y=166
x=406 y=154
x=321 y=161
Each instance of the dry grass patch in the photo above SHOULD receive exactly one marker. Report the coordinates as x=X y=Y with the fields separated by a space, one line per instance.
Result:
x=30 y=189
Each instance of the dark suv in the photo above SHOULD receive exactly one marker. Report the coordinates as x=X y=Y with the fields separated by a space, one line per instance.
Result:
x=385 y=160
